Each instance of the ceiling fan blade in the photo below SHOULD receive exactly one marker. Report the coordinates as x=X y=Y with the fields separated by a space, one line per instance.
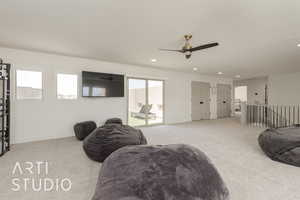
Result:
x=204 y=46
x=180 y=51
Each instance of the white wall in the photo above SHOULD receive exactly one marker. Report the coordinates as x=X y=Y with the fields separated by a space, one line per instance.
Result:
x=284 y=89
x=255 y=89
x=51 y=118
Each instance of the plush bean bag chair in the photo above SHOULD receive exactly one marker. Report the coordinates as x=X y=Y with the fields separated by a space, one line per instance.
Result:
x=168 y=172
x=110 y=137
x=114 y=121
x=282 y=144
x=83 y=129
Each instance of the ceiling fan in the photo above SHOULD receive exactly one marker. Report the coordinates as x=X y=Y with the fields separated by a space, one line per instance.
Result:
x=187 y=49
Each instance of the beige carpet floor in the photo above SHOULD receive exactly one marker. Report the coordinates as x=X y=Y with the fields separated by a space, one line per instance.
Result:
x=248 y=173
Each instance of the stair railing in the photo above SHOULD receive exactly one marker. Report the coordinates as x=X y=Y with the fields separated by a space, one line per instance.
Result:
x=272 y=116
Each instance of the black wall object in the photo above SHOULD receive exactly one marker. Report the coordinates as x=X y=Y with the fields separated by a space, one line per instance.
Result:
x=95 y=84
x=4 y=107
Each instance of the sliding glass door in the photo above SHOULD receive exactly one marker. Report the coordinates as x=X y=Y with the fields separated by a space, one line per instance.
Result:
x=155 y=101
x=145 y=102
x=136 y=102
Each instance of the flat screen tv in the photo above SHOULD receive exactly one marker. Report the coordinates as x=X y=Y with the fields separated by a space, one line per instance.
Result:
x=102 y=85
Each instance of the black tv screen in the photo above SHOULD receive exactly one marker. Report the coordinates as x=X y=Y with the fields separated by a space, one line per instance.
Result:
x=102 y=85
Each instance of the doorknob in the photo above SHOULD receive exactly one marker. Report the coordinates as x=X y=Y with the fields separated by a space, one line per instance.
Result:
x=201 y=102
x=224 y=101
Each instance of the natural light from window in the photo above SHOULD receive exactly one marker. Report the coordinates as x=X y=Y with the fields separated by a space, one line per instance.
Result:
x=66 y=86
x=241 y=93
x=29 y=84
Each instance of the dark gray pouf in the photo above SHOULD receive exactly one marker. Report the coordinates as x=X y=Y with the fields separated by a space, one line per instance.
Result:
x=282 y=144
x=168 y=172
x=83 y=129
x=108 y=138
x=114 y=121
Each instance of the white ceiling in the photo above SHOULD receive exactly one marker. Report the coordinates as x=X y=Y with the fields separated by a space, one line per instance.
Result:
x=257 y=37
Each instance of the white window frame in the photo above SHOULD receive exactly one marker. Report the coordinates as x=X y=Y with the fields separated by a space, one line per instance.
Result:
x=16 y=84
x=77 y=86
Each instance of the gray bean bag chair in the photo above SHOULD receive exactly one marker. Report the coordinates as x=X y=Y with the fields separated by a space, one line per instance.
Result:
x=83 y=129
x=114 y=121
x=110 y=137
x=282 y=144
x=169 y=172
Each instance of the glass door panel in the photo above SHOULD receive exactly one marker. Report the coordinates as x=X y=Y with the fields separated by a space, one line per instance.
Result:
x=137 y=115
x=155 y=102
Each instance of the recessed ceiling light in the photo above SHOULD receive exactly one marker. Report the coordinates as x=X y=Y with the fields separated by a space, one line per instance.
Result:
x=298 y=45
x=195 y=68
x=237 y=76
x=220 y=73
x=153 y=60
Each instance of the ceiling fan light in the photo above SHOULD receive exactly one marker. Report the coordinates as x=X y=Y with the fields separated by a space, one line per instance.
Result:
x=188 y=53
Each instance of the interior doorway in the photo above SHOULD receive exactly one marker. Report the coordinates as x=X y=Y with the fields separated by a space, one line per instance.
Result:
x=145 y=102
x=240 y=95
x=223 y=100
x=200 y=100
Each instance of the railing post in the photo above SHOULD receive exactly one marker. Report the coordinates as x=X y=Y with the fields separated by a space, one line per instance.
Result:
x=243 y=113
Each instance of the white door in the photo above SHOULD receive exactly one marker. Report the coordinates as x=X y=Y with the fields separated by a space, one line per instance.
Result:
x=200 y=100
x=223 y=100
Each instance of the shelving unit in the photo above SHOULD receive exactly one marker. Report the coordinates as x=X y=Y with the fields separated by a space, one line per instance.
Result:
x=4 y=107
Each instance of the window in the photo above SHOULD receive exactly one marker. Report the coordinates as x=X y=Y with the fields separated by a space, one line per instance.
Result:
x=145 y=102
x=66 y=86
x=240 y=95
x=29 y=85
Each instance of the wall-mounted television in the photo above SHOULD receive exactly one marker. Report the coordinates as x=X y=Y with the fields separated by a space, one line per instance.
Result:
x=96 y=84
